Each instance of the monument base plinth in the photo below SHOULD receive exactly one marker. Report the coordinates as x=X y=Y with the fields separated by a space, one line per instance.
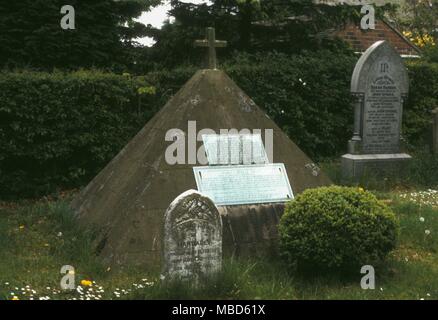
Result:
x=355 y=166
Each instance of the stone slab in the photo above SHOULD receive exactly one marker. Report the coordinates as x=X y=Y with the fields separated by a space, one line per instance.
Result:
x=234 y=149
x=355 y=166
x=234 y=185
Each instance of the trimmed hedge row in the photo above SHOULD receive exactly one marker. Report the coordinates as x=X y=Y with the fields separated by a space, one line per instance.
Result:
x=307 y=96
x=423 y=98
x=58 y=130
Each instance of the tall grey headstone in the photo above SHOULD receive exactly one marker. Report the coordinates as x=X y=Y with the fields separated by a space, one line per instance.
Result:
x=380 y=85
x=435 y=131
x=192 y=245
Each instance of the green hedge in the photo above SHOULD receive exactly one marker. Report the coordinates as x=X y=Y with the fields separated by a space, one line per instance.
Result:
x=58 y=130
x=306 y=95
x=319 y=116
x=423 y=98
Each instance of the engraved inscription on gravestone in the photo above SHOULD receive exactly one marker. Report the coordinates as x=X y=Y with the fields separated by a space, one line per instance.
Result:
x=234 y=149
x=380 y=85
x=233 y=185
x=383 y=106
x=192 y=245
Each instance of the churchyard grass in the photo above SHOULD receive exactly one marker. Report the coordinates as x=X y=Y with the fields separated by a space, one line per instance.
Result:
x=38 y=238
x=419 y=174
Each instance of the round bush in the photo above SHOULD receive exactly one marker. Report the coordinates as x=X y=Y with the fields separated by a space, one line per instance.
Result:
x=336 y=227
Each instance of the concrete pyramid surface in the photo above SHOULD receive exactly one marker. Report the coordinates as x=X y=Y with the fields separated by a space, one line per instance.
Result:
x=125 y=203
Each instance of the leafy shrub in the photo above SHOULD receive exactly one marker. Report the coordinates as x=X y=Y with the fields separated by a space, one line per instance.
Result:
x=307 y=95
x=423 y=98
x=58 y=129
x=336 y=227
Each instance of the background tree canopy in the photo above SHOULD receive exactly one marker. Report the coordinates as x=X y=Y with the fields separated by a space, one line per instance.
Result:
x=287 y=26
x=31 y=36
x=419 y=21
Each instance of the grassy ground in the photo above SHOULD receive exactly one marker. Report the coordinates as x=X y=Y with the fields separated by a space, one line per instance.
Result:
x=37 y=239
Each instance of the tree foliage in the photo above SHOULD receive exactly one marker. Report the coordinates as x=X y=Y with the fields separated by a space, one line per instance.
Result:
x=31 y=35
x=287 y=26
x=419 y=21
x=419 y=17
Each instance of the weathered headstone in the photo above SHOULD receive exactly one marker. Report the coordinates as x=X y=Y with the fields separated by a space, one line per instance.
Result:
x=192 y=247
x=435 y=131
x=380 y=86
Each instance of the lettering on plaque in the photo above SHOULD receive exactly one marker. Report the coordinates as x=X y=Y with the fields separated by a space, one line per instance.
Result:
x=234 y=149
x=382 y=116
x=232 y=185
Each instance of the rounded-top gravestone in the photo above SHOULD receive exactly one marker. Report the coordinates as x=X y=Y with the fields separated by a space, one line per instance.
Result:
x=380 y=85
x=192 y=245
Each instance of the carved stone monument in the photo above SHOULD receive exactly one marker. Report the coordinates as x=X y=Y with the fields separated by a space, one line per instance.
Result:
x=380 y=86
x=125 y=204
x=192 y=245
x=239 y=172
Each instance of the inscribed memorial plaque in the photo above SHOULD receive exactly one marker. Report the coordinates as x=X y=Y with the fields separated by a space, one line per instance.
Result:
x=234 y=149
x=232 y=185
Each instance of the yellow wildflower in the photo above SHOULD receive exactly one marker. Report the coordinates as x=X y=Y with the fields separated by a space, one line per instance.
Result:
x=361 y=189
x=15 y=298
x=86 y=283
x=21 y=227
x=420 y=40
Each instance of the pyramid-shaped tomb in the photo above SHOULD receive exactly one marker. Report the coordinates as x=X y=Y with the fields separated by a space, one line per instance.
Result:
x=125 y=203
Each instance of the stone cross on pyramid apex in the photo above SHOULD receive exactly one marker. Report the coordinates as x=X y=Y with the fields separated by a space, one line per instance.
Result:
x=211 y=43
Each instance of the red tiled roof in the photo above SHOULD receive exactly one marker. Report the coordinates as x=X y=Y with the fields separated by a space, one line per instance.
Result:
x=361 y=39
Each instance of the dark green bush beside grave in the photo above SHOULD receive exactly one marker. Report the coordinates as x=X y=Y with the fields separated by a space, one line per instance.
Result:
x=57 y=130
x=423 y=98
x=336 y=227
